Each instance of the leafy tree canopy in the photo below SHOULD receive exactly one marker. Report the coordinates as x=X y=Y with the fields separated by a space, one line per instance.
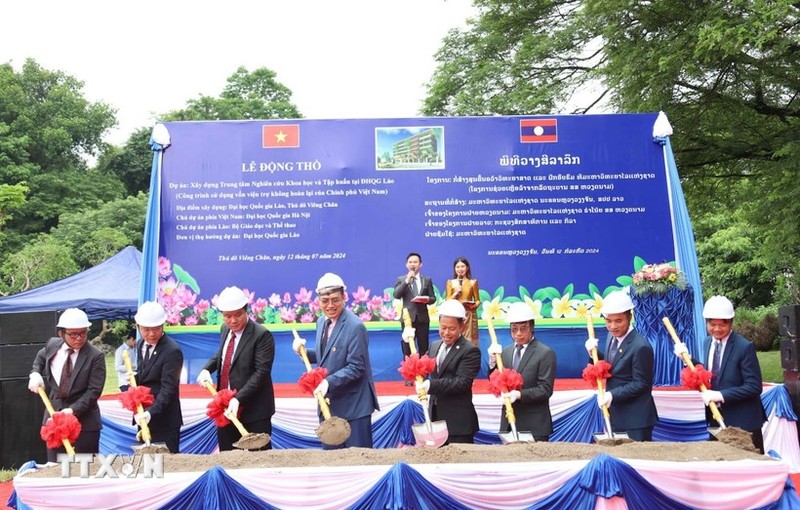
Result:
x=724 y=71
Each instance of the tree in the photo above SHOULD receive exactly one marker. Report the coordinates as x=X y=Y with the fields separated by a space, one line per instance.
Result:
x=93 y=236
x=256 y=95
x=724 y=71
x=47 y=128
x=38 y=263
x=131 y=163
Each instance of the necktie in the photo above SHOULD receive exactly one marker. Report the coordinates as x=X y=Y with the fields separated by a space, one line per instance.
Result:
x=66 y=373
x=413 y=286
x=224 y=375
x=717 y=357
x=612 y=351
x=147 y=354
x=324 y=340
x=517 y=356
x=443 y=350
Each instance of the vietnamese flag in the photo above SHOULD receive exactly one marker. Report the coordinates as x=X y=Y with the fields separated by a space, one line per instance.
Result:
x=538 y=130
x=275 y=136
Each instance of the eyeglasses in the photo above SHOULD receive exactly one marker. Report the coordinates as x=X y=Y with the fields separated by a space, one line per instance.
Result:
x=76 y=334
x=330 y=301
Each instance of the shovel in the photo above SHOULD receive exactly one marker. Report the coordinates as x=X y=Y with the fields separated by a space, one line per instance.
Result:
x=514 y=436
x=429 y=434
x=333 y=430
x=51 y=411
x=688 y=361
x=248 y=441
x=609 y=436
x=144 y=432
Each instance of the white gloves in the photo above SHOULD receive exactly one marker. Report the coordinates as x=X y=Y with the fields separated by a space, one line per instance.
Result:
x=67 y=410
x=233 y=408
x=203 y=377
x=322 y=388
x=494 y=349
x=142 y=418
x=604 y=399
x=408 y=335
x=296 y=343
x=512 y=395
x=679 y=349
x=589 y=344
x=34 y=381
x=711 y=396
x=423 y=386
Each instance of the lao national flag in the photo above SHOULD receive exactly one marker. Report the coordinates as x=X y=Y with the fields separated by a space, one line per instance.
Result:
x=538 y=130
x=275 y=136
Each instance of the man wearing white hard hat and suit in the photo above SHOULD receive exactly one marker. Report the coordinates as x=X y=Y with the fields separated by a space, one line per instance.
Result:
x=342 y=347
x=629 y=390
x=536 y=363
x=243 y=363
x=736 y=382
x=73 y=373
x=450 y=385
x=160 y=361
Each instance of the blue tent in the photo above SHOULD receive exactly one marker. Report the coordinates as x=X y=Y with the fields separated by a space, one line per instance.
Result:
x=109 y=290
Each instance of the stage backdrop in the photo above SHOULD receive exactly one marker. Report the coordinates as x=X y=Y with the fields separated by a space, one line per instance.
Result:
x=554 y=211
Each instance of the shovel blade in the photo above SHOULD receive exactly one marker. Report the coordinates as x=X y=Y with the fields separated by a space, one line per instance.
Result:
x=520 y=437
x=252 y=441
x=149 y=449
x=601 y=438
x=432 y=435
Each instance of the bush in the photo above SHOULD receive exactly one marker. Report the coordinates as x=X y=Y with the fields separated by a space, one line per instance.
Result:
x=760 y=326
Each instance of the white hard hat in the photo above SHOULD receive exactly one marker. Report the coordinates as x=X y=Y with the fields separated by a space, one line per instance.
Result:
x=330 y=280
x=616 y=302
x=231 y=299
x=452 y=308
x=718 y=307
x=519 y=312
x=150 y=315
x=73 y=318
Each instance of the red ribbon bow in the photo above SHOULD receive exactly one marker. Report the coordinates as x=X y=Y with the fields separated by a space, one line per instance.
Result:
x=218 y=405
x=310 y=380
x=414 y=366
x=693 y=379
x=135 y=396
x=59 y=427
x=601 y=370
x=505 y=381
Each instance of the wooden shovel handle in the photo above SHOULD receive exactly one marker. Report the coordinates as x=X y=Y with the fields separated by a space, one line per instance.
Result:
x=243 y=431
x=323 y=404
x=146 y=437
x=51 y=411
x=601 y=384
x=510 y=416
x=688 y=361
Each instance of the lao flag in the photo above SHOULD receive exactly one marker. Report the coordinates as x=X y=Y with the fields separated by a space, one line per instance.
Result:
x=538 y=130
x=280 y=136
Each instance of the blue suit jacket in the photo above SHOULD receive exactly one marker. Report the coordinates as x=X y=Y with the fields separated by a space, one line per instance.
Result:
x=739 y=380
x=351 y=390
x=631 y=384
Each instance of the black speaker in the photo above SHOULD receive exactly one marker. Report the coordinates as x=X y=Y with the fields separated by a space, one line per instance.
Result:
x=21 y=414
x=16 y=360
x=27 y=328
x=789 y=321
x=790 y=354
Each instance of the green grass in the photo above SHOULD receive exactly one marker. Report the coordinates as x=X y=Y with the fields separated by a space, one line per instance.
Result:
x=111 y=385
x=770 y=362
x=6 y=475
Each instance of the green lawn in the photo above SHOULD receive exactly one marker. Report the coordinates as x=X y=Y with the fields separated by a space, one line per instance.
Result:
x=112 y=385
x=771 y=370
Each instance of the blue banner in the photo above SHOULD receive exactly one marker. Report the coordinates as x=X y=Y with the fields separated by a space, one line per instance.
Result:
x=549 y=210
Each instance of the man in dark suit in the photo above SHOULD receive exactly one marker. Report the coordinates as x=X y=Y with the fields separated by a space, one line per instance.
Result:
x=243 y=363
x=73 y=373
x=536 y=363
x=342 y=347
x=450 y=384
x=629 y=390
x=736 y=382
x=416 y=291
x=160 y=361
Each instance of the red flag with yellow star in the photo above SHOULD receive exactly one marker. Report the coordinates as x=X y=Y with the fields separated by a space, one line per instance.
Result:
x=284 y=135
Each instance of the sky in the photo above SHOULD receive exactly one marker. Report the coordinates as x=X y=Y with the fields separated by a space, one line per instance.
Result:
x=340 y=58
